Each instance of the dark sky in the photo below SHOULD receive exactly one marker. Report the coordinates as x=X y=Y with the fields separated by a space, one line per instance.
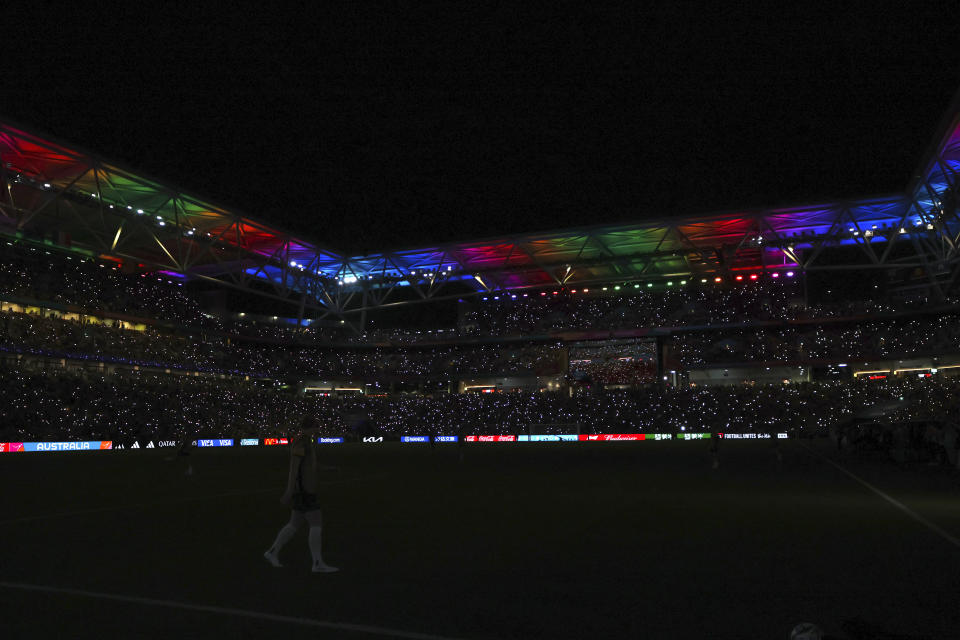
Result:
x=394 y=125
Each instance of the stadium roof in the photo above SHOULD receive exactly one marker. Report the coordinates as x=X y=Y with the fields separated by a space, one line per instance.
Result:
x=55 y=190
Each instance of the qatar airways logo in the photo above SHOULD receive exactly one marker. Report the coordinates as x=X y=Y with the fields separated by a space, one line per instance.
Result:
x=166 y=443
x=373 y=439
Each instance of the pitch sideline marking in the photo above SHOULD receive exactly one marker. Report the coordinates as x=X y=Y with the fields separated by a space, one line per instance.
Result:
x=896 y=503
x=240 y=613
x=161 y=503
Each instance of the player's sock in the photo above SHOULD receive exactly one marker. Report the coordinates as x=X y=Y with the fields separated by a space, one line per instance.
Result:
x=286 y=533
x=319 y=566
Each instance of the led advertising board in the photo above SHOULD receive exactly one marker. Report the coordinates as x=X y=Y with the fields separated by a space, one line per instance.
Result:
x=249 y=442
x=608 y=437
x=491 y=438
x=750 y=436
x=92 y=445
x=268 y=442
x=330 y=440
x=11 y=447
x=222 y=442
x=693 y=436
x=414 y=438
x=562 y=437
x=445 y=439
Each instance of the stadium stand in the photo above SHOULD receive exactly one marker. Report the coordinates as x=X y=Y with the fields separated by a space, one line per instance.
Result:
x=598 y=329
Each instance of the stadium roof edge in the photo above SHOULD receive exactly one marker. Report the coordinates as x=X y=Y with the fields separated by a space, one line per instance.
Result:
x=83 y=152
x=949 y=127
x=648 y=223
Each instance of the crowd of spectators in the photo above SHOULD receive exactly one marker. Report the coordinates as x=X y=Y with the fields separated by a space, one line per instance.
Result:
x=40 y=405
x=53 y=335
x=704 y=304
x=763 y=320
x=877 y=339
x=34 y=273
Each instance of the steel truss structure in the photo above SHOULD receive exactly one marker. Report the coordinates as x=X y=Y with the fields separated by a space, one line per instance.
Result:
x=98 y=206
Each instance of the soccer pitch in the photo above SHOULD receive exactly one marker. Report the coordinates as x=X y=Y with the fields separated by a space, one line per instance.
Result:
x=539 y=540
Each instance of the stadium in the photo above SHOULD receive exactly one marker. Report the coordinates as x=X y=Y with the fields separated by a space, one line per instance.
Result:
x=717 y=425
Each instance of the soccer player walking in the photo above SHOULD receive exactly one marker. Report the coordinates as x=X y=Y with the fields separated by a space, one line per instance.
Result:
x=301 y=495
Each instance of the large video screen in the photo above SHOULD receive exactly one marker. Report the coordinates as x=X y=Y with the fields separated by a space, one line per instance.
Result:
x=615 y=362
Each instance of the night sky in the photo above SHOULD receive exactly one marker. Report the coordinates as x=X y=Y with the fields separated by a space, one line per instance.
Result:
x=370 y=128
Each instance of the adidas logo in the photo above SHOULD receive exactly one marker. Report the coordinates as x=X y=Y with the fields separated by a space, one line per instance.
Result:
x=150 y=445
x=135 y=445
x=119 y=446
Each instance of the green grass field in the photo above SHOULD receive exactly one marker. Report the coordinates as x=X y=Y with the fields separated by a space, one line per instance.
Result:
x=546 y=540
